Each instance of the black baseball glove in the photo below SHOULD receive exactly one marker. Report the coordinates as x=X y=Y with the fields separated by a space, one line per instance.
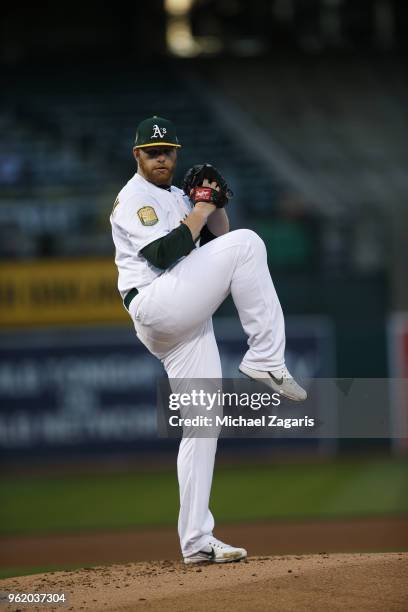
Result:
x=193 y=185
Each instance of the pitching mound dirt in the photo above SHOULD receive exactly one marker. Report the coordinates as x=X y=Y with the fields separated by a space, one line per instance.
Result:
x=375 y=582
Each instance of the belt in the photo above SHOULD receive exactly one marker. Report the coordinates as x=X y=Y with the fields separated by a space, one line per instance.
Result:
x=129 y=297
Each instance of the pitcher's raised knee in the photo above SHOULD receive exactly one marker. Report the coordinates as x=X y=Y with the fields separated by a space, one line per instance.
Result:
x=248 y=237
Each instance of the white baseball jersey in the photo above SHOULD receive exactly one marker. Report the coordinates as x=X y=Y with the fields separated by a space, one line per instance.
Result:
x=143 y=213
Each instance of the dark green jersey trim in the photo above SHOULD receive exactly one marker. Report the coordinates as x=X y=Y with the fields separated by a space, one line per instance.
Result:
x=166 y=250
x=206 y=235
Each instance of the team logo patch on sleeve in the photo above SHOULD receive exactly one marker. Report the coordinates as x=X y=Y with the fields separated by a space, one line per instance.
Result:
x=147 y=215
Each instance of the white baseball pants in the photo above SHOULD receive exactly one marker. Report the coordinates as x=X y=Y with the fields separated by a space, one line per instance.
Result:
x=172 y=317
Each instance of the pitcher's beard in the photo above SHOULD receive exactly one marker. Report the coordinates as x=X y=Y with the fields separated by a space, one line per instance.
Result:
x=161 y=176
x=157 y=176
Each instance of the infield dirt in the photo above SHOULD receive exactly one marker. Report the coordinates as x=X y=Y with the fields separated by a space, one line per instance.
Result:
x=363 y=582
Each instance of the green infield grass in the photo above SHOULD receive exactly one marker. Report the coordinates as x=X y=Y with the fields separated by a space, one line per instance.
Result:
x=13 y=572
x=241 y=493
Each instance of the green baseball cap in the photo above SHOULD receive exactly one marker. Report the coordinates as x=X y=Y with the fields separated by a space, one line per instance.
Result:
x=156 y=131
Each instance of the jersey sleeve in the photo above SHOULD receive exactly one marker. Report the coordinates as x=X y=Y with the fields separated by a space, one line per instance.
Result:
x=165 y=251
x=142 y=218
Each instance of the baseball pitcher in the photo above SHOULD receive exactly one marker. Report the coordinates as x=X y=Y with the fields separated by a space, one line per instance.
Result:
x=177 y=262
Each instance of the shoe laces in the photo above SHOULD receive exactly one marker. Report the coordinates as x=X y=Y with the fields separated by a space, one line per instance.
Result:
x=282 y=373
x=217 y=543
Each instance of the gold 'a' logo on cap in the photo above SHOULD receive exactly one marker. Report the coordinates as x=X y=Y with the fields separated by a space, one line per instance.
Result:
x=147 y=215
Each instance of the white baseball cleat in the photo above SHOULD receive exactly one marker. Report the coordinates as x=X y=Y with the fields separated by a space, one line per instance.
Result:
x=280 y=380
x=217 y=552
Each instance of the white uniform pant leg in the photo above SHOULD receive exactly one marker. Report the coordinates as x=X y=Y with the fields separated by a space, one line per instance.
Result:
x=195 y=357
x=180 y=300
